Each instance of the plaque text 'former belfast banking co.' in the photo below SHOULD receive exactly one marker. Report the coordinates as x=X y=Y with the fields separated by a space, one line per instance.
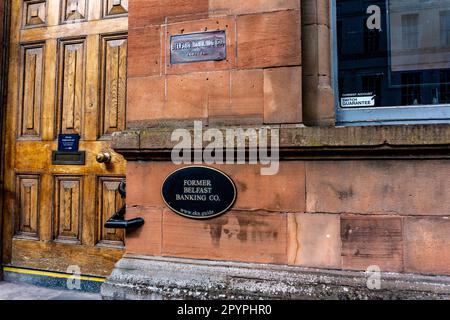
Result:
x=197 y=47
x=199 y=192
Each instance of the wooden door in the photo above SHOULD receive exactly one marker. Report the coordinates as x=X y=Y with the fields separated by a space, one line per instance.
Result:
x=3 y=73
x=68 y=62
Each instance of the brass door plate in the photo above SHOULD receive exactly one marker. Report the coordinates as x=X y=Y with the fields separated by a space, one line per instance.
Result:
x=62 y=158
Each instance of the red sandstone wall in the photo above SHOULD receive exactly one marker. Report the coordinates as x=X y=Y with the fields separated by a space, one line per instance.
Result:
x=337 y=214
x=261 y=75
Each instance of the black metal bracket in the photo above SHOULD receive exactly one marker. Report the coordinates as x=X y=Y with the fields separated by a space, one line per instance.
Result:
x=117 y=221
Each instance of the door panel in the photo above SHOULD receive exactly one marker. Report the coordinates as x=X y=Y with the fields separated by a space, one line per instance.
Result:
x=114 y=80
x=31 y=90
x=72 y=70
x=34 y=13
x=115 y=8
x=68 y=203
x=73 y=10
x=109 y=202
x=27 y=220
x=68 y=62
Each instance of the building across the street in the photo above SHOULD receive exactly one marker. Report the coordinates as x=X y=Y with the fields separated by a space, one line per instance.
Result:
x=220 y=149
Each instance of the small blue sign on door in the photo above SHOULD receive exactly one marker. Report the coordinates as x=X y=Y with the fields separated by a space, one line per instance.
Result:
x=68 y=142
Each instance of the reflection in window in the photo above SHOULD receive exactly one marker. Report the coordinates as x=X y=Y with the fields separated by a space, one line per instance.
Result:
x=445 y=28
x=372 y=84
x=371 y=40
x=415 y=35
x=411 y=88
x=410 y=31
x=404 y=62
x=445 y=86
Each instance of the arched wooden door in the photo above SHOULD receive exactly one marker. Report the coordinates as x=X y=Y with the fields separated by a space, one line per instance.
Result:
x=67 y=75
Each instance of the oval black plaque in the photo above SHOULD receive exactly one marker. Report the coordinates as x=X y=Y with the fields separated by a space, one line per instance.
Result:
x=199 y=192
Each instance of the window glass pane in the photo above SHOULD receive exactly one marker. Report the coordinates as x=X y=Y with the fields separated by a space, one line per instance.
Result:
x=393 y=52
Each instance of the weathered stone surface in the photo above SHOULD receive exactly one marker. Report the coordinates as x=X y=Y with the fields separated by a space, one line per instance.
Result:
x=251 y=6
x=375 y=187
x=314 y=240
x=147 y=239
x=412 y=135
x=318 y=95
x=144 y=52
x=292 y=136
x=372 y=241
x=284 y=192
x=247 y=93
x=269 y=39
x=316 y=58
x=315 y=12
x=146 y=98
x=141 y=277
x=187 y=96
x=283 y=95
x=151 y=12
x=144 y=181
x=318 y=101
x=236 y=236
x=126 y=140
x=427 y=244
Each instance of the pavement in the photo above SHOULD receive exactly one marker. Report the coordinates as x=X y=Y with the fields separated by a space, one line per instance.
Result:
x=21 y=291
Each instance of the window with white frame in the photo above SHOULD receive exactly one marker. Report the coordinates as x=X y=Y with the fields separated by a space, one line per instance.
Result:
x=392 y=61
